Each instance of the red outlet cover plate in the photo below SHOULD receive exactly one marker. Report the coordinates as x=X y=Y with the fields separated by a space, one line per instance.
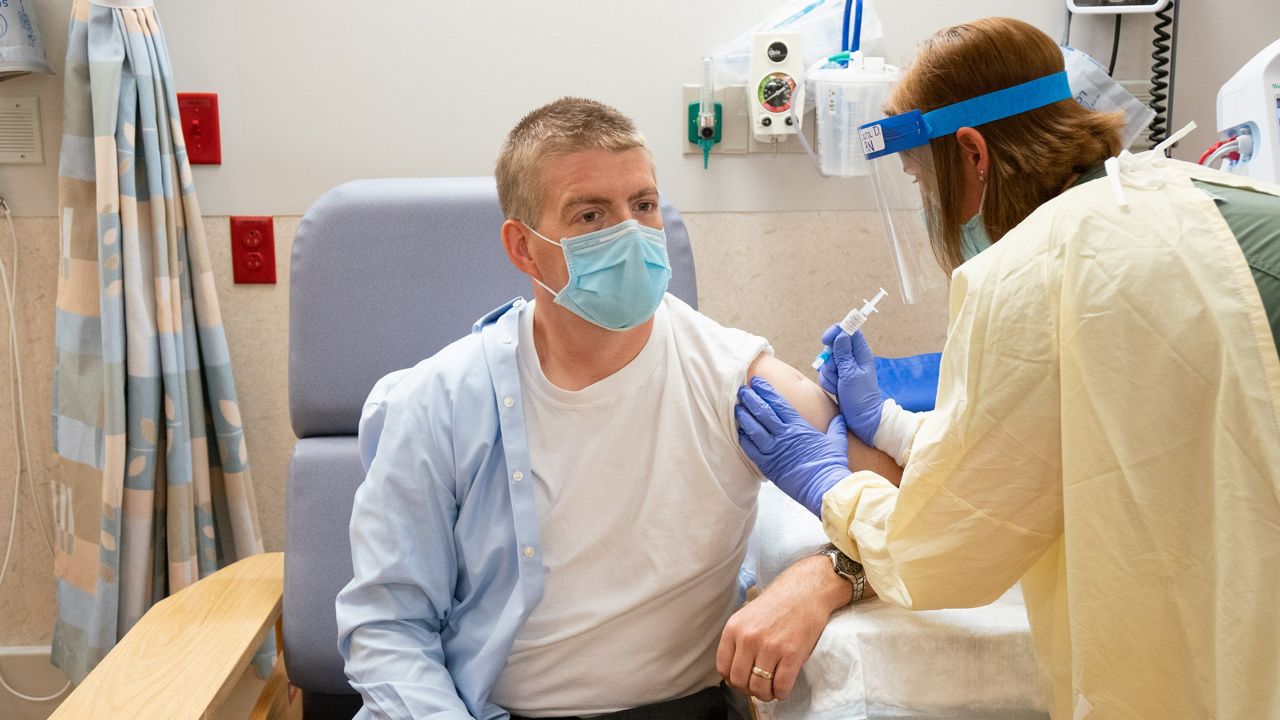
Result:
x=199 y=113
x=253 y=250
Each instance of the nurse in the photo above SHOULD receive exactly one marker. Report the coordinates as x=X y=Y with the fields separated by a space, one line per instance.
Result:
x=1107 y=427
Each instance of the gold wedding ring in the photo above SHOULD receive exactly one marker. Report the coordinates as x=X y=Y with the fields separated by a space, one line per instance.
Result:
x=762 y=673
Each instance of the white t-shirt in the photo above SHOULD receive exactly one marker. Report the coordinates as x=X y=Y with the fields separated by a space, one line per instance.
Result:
x=645 y=503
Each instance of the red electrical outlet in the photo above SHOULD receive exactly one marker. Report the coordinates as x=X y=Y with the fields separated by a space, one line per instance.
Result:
x=253 y=250
x=199 y=113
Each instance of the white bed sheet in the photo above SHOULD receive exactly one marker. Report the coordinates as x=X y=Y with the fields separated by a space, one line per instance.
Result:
x=878 y=661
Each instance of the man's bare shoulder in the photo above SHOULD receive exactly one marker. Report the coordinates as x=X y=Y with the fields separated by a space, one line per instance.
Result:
x=818 y=408
x=798 y=389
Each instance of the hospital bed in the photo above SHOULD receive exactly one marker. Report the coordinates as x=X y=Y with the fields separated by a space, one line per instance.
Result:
x=383 y=274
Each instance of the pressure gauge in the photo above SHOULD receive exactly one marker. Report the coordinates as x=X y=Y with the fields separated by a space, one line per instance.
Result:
x=775 y=92
x=775 y=85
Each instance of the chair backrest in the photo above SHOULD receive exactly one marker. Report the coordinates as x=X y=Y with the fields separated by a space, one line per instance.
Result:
x=384 y=273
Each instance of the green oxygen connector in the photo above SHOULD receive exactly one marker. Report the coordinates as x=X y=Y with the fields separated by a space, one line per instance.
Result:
x=705 y=128
x=705 y=115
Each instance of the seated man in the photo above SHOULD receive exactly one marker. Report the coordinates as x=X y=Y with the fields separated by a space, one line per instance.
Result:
x=556 y=507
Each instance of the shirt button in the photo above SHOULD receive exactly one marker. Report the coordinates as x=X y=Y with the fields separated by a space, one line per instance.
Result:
x=517 y=304
x=509 y=401
x=517 y=476
x=506 y=339
x=528 y=551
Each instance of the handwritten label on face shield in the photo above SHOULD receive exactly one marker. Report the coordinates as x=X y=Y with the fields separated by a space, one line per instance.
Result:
x=872 y=139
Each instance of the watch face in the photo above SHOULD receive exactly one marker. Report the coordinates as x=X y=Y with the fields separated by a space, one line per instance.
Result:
x=846 y=565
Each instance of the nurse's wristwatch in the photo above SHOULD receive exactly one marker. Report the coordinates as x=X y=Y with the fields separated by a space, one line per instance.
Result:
x=847 y=568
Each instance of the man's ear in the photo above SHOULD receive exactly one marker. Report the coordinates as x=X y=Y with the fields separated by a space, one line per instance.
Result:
x=515 y=240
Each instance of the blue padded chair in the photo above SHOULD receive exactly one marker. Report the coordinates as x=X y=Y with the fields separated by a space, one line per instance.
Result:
x=385 y=273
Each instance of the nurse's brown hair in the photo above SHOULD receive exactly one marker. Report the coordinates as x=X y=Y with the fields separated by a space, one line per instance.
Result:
x=1032 y=155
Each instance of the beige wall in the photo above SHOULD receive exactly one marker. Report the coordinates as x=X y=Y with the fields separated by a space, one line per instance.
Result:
x=26 y=599
x=786 y=276
x=257 y=328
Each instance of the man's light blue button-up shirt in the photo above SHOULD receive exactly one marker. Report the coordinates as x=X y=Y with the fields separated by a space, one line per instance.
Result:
x=442 y=584
x=444 y=532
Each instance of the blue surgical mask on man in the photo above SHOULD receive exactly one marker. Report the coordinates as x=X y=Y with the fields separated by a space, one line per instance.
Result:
x=617 y=276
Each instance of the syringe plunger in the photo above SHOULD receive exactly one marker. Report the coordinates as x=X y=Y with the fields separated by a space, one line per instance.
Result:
x=852 y=323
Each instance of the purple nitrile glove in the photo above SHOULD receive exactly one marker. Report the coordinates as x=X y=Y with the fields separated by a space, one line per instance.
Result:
x=850 y=375
x=802 y=461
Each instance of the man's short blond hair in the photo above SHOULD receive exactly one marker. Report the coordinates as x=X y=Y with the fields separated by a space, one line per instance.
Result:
x=559 y=128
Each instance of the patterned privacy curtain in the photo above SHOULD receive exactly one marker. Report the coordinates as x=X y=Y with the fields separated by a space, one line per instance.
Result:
x=156 y=491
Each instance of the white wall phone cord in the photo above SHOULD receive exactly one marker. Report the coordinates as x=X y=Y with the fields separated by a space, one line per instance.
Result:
x=20 y=445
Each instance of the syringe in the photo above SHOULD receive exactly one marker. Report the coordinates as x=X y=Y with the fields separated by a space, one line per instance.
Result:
x=852 y=323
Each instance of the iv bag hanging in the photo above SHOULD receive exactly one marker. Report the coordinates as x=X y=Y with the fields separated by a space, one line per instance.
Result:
x=21 y=50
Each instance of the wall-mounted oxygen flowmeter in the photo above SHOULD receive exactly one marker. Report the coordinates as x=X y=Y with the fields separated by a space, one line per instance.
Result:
x=1115 y=7
x=775 y=85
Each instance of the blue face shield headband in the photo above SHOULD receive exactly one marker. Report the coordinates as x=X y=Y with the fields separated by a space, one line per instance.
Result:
x=906 y=185
x=913 y=129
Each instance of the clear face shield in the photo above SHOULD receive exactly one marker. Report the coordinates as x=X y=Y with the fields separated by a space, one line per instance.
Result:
x=906 y=181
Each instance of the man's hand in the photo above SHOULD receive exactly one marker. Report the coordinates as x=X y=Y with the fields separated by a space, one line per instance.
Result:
x=777 y=631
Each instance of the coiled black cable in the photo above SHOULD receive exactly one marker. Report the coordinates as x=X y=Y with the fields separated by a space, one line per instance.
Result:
x=1115 y=47
x=1164 y=57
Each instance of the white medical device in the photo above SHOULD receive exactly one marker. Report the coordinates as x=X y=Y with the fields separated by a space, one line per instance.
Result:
x=775 y=83
x=1115 y=7
x=845 y=99
x=1249 y=114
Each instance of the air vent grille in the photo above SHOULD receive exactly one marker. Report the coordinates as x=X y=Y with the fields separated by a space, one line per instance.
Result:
x=21 y=142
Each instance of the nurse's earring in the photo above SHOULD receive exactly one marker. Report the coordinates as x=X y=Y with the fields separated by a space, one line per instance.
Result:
x=982 y=176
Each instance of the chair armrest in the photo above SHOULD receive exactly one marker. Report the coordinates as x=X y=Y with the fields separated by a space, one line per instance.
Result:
x=187 y=652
